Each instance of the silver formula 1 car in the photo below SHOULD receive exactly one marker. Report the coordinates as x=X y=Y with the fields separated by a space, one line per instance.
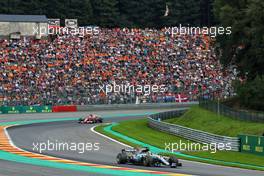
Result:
x=144 y=157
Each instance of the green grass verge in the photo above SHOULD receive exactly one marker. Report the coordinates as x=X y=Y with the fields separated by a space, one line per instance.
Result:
x=201 y=119
x=100 y=129
x=139 y=130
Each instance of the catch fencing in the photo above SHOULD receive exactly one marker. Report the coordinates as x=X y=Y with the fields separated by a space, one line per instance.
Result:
x=224 y=110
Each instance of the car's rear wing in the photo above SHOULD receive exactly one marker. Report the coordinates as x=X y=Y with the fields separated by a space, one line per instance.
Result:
x=135 y=149
x=128 y=150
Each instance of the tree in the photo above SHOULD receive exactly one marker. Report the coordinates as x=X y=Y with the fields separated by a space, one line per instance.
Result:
x=34 y=7
x=206 y=12
x=56 y=9
x=112 y=13
x=244 y=46
x=5 y=6
x=106 y=13
x=185 y=12
x=81 y=10
x=251 y=93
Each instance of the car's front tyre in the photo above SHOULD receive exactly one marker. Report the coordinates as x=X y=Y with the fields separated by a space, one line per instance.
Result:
x=174 y=162
x=121 y=158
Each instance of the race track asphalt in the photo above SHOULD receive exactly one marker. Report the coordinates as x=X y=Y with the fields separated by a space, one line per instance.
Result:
x=8 y=168
x=70 y=131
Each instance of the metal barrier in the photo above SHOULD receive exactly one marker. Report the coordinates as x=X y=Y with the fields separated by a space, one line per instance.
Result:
x=155 y=121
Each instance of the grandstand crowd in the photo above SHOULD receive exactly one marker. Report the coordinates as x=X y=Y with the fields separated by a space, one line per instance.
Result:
x=69 y=69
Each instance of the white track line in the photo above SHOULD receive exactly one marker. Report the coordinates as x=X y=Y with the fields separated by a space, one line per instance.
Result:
x=92 y=129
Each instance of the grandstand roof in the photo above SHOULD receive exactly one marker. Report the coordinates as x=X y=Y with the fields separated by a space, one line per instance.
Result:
x=23 y=18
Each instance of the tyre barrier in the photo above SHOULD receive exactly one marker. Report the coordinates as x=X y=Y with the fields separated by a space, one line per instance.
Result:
x=156 y=121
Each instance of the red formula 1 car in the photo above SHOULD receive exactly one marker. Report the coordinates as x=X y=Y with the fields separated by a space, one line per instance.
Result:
x=90 y=119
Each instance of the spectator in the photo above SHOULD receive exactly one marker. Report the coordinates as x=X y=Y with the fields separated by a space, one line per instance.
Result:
x=70 y=69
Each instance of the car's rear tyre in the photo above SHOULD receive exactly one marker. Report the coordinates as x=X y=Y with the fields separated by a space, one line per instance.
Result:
x=148 y=161
x=174 y=162
x=80 y=120
x=121 y=158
